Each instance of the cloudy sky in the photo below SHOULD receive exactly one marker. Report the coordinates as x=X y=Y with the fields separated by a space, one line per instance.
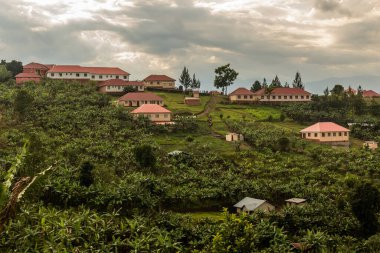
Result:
x=320 y=38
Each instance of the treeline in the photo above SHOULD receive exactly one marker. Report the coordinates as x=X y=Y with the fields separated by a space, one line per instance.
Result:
x=9 y=70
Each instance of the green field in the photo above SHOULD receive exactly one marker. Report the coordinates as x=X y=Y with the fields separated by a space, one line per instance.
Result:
x=175 y=103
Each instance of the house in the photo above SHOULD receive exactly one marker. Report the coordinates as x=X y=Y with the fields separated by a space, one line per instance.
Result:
x=159 y=81
x=84 y=74
x=249 y=205
x=194 y=100
x=116 y=86
x=140 y=98
x=327 y=132
x=156 y=113
x=372 y=145
x=234 y=137
x=241 y=95
x=370 y=94
x=282 y=94
x=295 y=202
x=32 y=72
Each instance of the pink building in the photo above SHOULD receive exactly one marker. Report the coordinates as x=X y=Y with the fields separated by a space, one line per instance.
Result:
x=326 y=132
x=32 y=72
x=155 y=113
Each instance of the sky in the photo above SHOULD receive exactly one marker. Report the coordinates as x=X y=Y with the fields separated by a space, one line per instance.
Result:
x=318 y=38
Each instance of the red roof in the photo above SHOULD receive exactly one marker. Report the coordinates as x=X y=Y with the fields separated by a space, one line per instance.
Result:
x=370 y=94
x=90 y=70
x=25 y=75
x=138 y=96
x=325 y=127
x=158 y=78
x=241 y=91
x=120 y=82
x=151 y=108
x=35 y=65
x=283 y=91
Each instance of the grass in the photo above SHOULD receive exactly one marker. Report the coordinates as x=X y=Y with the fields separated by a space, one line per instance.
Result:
x=175 y=102
x=203 y=215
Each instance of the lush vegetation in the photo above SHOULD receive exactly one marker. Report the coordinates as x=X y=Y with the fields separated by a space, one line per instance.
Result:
x=113 y=187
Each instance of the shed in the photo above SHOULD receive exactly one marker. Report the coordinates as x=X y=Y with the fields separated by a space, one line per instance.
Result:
x=372 y=145
x=250 y=205
x=295 y=201
x=234 y=137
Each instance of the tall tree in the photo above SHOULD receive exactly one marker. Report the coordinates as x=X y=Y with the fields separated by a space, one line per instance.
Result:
x=256 y=86
x=265 y=85
x=297 y=83
x=4 y=74
x=185 y=78
x=194 y=82
x=326 y=92
x=15 y=67
x=337 y=90
x=286 y=85
x=225 y=76
x=275 y=83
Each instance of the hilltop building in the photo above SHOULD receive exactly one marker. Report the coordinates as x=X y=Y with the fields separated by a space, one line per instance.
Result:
x=276 y=95
x=159 y=81
x=32 y=72
x=117 y=86
x=140 y=98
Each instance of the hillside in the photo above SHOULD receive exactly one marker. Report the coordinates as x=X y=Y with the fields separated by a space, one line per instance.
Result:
x=113 y=187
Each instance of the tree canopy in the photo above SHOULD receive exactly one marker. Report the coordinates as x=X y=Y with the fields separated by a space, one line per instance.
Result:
x=224 y=77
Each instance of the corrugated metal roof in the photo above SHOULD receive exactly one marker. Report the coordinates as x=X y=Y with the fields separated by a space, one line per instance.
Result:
x=250 y=203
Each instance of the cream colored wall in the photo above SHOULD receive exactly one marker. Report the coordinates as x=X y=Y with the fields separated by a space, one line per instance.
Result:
x=69 y=75
x=289 y=98
x=163 y=84
x=248 y=98
x=331 y=138
x=141 y=102
x=118 y=88
x=155 y=117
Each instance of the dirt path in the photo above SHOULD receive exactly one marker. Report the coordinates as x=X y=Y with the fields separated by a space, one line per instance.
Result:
x=209 y=106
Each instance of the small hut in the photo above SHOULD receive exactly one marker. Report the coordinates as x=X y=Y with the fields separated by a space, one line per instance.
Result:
x=249 y=205
x=372 y=145
x=234 y=137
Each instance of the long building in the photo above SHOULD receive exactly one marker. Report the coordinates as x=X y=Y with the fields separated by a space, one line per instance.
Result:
x=35 y=72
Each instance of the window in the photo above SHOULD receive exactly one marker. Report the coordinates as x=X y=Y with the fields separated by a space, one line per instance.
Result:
x=100 y=77
x=345 y=134
x=262 y=97
x=340 y=133
x=125 y=77
x=296 y=97
x=307 y=97
x=285 y=97
x=239 y=97
x=157 y=116
x=315 y=134
x=60 y=74
x=250 y=96
x=323 y=134
x=108 y=88
x=85 y=74
x=268 y=97
x=334 y=134
x=273 y=97
x=77 y=74
x=291 y=97
x=245 y=97
x=71 y=74
x=151 y=82
x=51 y=74
x=301 y=97
x=329 y=134
x=117 y=77
x=308 y=134
x=158 y=82
x=93 y=77
x=279 y=97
